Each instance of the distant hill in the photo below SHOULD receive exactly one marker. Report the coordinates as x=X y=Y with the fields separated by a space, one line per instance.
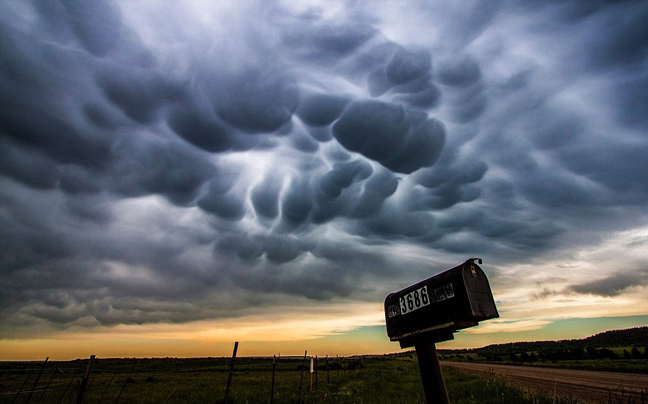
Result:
x=631 y=337
x=628 y=337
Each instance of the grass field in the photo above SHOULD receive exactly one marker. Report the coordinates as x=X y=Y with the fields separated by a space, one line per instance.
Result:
x=384 y=379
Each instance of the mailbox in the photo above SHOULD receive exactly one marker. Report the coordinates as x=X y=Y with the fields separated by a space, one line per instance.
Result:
x=433 y=309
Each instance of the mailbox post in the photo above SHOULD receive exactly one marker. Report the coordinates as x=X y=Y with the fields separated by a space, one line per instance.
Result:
x=434 y=309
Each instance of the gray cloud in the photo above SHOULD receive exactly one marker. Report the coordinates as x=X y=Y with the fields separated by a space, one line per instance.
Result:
x=320 y=109
x=157 y=168
x=265 y=196
x=615 y=284
x=139 y=93
x=257 y=101
x=387 y=133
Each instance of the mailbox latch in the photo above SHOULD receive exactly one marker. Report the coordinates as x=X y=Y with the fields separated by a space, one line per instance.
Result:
x=473 y=270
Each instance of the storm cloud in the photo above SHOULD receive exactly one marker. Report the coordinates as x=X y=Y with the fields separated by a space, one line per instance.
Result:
x=177 y=162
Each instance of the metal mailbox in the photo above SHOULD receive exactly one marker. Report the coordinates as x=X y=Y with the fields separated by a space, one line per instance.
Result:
x=435 y=308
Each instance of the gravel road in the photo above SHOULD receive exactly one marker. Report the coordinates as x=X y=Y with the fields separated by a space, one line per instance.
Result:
x=588 y=386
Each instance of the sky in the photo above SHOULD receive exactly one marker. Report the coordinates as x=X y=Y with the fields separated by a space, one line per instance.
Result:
x=177 y=176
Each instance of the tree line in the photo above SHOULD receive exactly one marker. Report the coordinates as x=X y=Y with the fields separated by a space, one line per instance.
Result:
x=578 y=354
x=594 y=347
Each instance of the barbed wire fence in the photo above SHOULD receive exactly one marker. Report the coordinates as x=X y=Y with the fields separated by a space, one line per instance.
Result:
x=104 y=381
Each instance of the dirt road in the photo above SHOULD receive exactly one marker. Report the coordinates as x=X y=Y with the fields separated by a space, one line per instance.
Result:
x=588 y=386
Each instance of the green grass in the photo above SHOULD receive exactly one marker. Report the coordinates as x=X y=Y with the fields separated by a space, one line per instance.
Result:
x=388 y=379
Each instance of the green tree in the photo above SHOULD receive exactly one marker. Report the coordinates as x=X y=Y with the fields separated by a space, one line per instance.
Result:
x=635 y=353
x=592 y=353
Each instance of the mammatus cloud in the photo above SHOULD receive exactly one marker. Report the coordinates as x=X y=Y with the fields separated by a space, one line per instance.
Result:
x=174 y=164
x=385 y=133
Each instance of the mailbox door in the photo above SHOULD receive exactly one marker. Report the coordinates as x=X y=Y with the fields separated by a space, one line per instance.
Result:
x=480 y=297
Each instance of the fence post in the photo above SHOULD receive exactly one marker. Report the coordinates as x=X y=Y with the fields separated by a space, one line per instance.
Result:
x=327 y=371
x=231 y=373
x=301 y=375
x=337 y=368
x=38 y=376
x=274 y=368
x=84 y=381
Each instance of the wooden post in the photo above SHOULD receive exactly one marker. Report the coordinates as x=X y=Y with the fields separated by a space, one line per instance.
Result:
x=231 y=373
x=84 y=381
x=36 y=381
x=274 y=368
x=431 y=376
x=301 y=375
x=327 y=371
x=337 y=357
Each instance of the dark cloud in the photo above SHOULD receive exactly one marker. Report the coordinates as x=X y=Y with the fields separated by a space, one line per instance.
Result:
x=342 y=176
x=614 y=43
x=200 y=127
x=377 y=189
x=615 y=284
x=394 y=224
x=387 y=133
x=139 y=93
x=227 y=206
x=324 y=40
x=461 y=71
x=631 y=109
x=90 y=207
x=320 y=109
x=372 y=128
x=338 y=189
x=428 y=96
x=302 y=141
x=31 y=168
x=96 y=25
x=265 y=196
x=406 y=66
x=297 y=201
x=246 y=248
x=257 y=101
x=157 y=168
